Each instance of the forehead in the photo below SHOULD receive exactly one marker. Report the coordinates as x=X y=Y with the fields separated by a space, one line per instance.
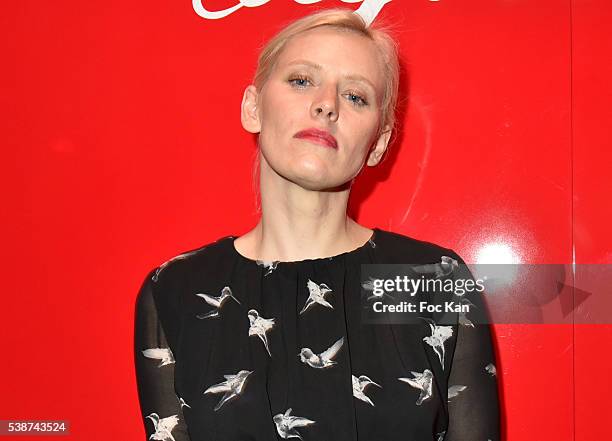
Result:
x=336 y=51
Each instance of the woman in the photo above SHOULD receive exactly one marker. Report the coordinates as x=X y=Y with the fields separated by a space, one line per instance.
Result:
x=260 y=337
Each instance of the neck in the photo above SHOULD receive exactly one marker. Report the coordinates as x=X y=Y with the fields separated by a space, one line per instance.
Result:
x=299 y=223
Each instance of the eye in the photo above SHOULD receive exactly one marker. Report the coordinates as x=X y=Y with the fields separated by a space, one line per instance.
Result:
x=356 y=99
x=299 y=80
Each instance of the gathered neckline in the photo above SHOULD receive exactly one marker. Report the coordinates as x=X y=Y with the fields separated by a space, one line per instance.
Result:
x=370 y=242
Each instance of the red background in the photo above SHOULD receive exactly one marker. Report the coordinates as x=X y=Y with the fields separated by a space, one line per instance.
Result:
x=123 y=147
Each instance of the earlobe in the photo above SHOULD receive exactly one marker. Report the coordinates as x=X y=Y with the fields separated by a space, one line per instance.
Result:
x=379 y=147
x=249 y=116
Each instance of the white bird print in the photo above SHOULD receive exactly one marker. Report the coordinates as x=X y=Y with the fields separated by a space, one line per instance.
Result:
x=163 y=427
x=322 y=360
x=216 y=302
x=317 y=295
x=169 y=261
x=490 y=368
x=163 y=354
x=359 y=386
x=231 y=387
x=270 y=265
x=439 y=334
x=422 y=381
x=259 y=326
x=446 y=266
x=287 y=424
x=454 y=390
x=368 y=285
x=183 y=403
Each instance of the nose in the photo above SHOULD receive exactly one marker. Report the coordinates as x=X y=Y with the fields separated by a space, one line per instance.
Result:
x=325 y=104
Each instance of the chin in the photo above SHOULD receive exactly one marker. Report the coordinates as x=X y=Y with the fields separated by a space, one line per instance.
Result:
x=318 y=175
x=319 y=183
x=311 y=173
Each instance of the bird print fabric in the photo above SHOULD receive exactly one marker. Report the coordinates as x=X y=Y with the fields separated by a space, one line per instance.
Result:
x=259 y=326
x=316 y=295
x=230 y=388
x=439 y=335
x=359 y=386
x=287 y=424
x=229 y=348
x=422 y=381
x=163 y=354
x=162 y=427
x=322 y=360
x=216 y=302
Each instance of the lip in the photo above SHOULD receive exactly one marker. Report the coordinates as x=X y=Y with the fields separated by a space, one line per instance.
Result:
x=319 y=136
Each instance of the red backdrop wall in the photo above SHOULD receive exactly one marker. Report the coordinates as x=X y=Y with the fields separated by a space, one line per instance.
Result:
x=122 y=147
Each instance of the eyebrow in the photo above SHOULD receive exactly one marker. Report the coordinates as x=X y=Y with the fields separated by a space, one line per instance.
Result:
x=352 y=77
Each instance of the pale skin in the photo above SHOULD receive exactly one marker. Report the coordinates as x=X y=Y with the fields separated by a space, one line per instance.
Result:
x=305 y=186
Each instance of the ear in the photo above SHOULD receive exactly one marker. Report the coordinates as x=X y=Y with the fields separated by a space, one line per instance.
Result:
x=379 y=147
x=249 y=113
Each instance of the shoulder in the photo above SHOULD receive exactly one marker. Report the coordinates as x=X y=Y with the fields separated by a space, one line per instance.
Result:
x=399 y=248
x=184 y=263
x=167 y=284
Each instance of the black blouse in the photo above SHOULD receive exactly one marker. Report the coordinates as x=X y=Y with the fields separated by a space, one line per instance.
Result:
x=233 y=349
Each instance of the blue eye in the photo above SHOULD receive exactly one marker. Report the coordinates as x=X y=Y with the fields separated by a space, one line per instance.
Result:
x=299 y=81
x=357 y=99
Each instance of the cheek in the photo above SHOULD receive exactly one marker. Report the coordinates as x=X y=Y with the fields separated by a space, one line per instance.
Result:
x=276 y=132
x=280 y=120
x=362 y=134
x=278 y=117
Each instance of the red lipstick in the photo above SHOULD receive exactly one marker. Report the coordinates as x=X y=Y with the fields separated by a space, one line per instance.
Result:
x=318 y=136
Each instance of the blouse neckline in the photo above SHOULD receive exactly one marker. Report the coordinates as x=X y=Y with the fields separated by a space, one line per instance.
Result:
x=368 y=243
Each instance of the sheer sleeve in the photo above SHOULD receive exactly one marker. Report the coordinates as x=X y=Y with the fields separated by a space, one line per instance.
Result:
x=161 y=408
x=473 y=402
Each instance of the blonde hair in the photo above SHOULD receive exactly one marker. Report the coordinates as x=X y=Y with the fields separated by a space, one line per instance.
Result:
x=344 y=20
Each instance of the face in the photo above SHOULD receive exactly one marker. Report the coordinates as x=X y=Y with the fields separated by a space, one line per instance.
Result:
x=318 y=113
